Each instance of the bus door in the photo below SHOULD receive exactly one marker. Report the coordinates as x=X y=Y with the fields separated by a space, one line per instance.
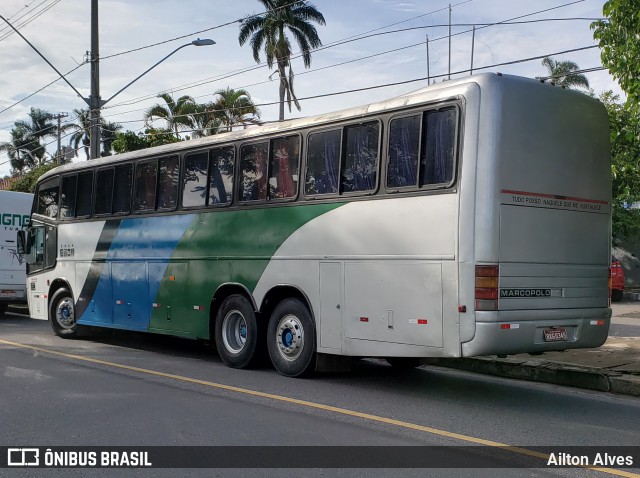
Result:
x=41 y=256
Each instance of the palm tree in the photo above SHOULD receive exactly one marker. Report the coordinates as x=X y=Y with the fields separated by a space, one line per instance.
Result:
x=268 y=31
x=108 y=133
x=562 y=73
x=235 y=107
x=177 y=114
x=82 y=132
x=206 y=120
x=20 y=150
x=25 y=150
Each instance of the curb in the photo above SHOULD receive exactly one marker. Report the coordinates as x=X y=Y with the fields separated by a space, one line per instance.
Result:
x=550 y=372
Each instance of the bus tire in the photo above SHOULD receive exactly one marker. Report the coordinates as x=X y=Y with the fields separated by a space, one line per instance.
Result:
x=238 y=335
x=616 y=295
x=291 y=339
x=62 y=315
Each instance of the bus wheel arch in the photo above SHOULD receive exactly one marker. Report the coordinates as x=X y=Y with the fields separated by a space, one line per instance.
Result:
x=62 y=315
x=236 y=327
x=291 y=335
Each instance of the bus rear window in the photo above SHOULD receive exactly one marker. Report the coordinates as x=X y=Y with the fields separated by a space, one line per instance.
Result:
x=48 y=196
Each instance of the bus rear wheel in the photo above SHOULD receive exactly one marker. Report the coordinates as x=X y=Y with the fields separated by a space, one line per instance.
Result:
x=291 y=339
x=238 y=335
x=62 y=315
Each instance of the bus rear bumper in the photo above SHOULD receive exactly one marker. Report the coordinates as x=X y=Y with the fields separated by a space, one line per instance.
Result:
x=588 y=329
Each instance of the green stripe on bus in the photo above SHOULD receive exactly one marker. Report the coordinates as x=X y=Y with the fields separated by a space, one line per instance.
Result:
x=222 y=247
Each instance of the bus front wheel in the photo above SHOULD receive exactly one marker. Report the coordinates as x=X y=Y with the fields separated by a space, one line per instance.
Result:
x=62 y=315
x=238 y=335
x=291 y=339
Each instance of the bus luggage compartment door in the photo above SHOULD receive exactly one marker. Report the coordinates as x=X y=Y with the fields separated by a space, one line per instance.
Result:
x=392 y=301
x=130 y=295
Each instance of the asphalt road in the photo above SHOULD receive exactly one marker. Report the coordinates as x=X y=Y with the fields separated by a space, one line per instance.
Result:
x=56 y=392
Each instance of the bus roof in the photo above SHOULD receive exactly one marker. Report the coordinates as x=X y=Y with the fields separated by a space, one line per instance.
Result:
x=436 y=92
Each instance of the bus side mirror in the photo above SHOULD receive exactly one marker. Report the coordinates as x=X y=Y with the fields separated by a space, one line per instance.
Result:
x=23 y=244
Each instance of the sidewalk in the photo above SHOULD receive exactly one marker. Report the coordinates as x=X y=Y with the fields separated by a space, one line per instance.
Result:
x=614 y=367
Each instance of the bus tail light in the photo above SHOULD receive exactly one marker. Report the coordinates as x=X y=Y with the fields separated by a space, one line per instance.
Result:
x=487 y=287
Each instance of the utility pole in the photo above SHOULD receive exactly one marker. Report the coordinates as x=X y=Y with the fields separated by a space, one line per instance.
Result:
x=95 y=102
x=59 y=117
x=428 y=73
x=449 y=76
x=473 y=42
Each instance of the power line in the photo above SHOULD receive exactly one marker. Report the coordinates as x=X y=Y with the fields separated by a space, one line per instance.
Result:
x=331 y=45
x=45 y=86
x=404 y=82
x=29 y=20
x=200 y=31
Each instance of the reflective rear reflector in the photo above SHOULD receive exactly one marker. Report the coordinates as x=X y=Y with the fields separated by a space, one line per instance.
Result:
x=597 y=322
x=364 y=319
x=486 y=304
x=422 y=321
x=509 y=326
x=198 y=307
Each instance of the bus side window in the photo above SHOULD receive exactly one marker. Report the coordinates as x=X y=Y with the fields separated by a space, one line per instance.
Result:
x=253 y=164
x=283 y=168
x=168 y=183
x=145 y=196
x=404 y=149
x=68 y=196
x=194 y=183
x=48 y=196
x=104 y=191
x=360 y=158
x=438 y=146
x=323 y=163
x=84 y=193
x=221 y=180
x=122 y=189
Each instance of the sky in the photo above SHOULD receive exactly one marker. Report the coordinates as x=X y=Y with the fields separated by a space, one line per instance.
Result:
x=60 y=30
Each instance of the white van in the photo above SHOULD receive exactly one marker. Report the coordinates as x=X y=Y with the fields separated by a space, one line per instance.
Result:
x=15 y=209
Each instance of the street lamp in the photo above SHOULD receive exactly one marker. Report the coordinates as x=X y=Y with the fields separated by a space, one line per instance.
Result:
x=93 y=101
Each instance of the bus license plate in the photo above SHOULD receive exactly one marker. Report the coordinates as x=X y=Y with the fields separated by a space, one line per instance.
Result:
x=555 y=335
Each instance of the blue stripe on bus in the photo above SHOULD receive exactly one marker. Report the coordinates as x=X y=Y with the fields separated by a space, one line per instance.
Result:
x=127 y=287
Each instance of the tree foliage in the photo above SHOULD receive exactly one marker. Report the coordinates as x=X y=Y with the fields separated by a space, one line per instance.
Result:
x=563 y=73
x=619 y=44
x=130 y=141
x=27 y=183
x=267 y=32
x=625 y=166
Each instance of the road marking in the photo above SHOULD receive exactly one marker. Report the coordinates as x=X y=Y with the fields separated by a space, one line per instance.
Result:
x=318 y=406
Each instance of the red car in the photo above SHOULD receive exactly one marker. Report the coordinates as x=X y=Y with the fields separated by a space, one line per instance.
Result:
x=617 y=280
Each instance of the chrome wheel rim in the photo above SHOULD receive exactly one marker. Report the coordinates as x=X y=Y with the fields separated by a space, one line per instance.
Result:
x=290 y=337
x=65 y=313
x=234 y=331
